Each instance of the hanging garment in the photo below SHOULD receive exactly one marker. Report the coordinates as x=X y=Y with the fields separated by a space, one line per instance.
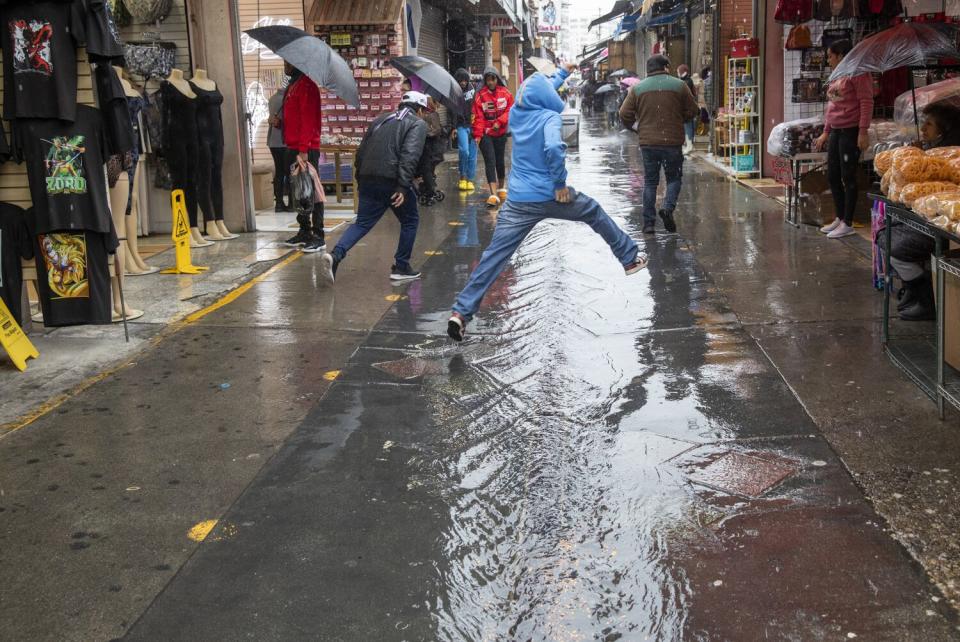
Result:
x=103 y=38
x=135 y=105
x=40 y=41
x=826 y=10
x=793 y=11
x=15 y=244
x=73 y=277
x=116 y=114
x=150 y=59
x=65 y=169
x=210 y=166
x=180 y=145
x=148 y=11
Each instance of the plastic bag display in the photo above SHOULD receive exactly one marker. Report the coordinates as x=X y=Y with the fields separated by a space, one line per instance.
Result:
x=913 y=191
x=948 y=153
x=922 y=168
x=940 y=204
x=883 y=161
x=903 y=114
x=794 y=137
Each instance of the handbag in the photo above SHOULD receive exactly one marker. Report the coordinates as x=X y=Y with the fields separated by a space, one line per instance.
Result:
x=793 y=11
x=150 y=59
x=148 y=11
x=799 y=38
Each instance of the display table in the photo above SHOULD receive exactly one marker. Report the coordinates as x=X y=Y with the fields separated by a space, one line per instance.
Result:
x=800 y=165
x=918 y=357
x=338 y=180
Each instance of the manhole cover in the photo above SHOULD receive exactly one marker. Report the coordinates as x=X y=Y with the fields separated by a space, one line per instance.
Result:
x=412 y=367
x=745 y=475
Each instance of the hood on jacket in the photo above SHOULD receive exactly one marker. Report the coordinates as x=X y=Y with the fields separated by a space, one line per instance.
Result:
x=461 y=75
x=537 y=92
x=491 y=71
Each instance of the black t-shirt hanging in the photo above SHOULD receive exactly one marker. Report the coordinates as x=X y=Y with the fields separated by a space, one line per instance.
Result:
x=40 y=41
x=116 y=113
x=15 y=244
x=65 y=169
x=73 y=277
x=103 y=38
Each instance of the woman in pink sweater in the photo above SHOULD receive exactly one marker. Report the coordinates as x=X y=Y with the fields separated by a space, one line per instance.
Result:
x=846 y=122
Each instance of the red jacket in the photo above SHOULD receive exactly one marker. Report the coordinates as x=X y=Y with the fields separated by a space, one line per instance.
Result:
x=490 y=108
x=301 y=116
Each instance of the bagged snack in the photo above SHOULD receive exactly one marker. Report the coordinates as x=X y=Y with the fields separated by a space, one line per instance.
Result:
x=955 y=170
x=950 y=207
x=918 y=169
x=885 y=183
x=882 y=161
x=913 y=191
x=942 y=222
x=948 y=153
x=927 y=206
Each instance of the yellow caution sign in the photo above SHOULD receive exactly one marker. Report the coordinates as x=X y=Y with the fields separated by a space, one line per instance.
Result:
x=14 y=341
x=181 y=237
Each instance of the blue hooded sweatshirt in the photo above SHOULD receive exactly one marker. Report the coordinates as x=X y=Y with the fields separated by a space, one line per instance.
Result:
x=539 y=152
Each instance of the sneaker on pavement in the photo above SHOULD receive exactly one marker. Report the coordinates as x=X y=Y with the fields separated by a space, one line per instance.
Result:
x=471 y=186
x=829 y=227
x=398 y=273
x=300 y=238
x=502 y=195
x=315 y=244
x=649 y=228
x=462 y=185
x=840 y=231
x=456 y=327
x=639 y=262
x=493 y=201
x=326 y=266
x=668 y=222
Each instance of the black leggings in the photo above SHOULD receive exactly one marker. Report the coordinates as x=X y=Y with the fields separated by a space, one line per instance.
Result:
x=182 y=159
x=282 y=159
x=843 y=156
x=494 y=149
x=210 y=179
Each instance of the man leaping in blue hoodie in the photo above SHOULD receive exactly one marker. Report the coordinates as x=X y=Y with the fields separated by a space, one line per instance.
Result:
x=538 y=190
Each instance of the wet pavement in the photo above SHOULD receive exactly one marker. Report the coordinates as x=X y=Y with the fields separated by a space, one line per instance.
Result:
x=680 y=454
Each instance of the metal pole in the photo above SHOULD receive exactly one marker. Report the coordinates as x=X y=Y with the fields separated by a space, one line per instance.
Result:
x=913 y=94
x=123 y=304
x=941 y=314
x=887 y=279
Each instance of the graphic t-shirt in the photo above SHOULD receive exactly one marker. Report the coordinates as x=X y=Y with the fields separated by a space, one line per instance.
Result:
x=65 y=169
x=40 y=42
x=103 y=38
x=15 y=244
x=73 y=277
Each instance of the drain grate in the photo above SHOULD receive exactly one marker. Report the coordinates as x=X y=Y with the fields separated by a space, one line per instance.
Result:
x=744 y=475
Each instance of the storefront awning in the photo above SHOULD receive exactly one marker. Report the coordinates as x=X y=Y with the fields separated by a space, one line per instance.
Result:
x=648 y=20
x=620 y=7
x=341 y=12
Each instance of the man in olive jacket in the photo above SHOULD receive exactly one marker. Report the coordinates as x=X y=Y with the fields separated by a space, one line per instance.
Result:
x=659 y=105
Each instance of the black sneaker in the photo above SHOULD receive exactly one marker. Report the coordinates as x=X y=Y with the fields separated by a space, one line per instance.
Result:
x=667 y=217
x=649 y=228
x=300 y=238
x=456 y=327
x=315 y=244
x=398 y=273
x=639 y=262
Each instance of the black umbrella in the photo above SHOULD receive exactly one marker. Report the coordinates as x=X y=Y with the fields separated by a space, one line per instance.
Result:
x=439 y=83
x=312 y=56
x=605 y=88
x=619 y=73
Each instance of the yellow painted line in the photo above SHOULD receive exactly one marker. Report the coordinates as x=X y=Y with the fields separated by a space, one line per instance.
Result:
x=434 y=252
x=395 y=297
x=455 y=224
x=331 y=375
x=174 y=327
x=200 y=531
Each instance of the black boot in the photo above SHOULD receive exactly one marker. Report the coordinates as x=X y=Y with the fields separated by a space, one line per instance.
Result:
x=303 y=236
x=923 y=307
x=316 y=242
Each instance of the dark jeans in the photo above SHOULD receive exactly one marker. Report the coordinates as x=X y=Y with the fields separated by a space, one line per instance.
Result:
x=671 y=160
x=843 y=156
x=494 y=150
x=374 y=202
x=282 y=159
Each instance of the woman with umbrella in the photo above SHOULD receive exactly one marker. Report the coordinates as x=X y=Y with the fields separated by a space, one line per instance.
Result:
x=845 y=135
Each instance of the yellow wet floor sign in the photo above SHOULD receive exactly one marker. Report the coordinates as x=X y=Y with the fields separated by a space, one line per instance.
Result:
x=14 y=341
x=181 y=237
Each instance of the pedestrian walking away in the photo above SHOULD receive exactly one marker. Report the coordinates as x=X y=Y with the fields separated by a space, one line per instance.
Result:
x=282 y=158
x=659 y=104
x=432 y=156
x=301 y=134
x=491 y=116
x=466 y=145
x=689 y=126
x=538 y=191
x=385 y=165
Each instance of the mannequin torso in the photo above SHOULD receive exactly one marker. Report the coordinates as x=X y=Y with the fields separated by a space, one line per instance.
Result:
x=177 y=82
x=128 y=89
x=201 y=80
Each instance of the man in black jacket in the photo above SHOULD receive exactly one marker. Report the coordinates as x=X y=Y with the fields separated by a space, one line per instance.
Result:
x=385 y=166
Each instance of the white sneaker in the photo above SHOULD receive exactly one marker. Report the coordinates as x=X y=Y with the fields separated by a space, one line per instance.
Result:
x=687 y=146
x=829 y=227
x=840 y=231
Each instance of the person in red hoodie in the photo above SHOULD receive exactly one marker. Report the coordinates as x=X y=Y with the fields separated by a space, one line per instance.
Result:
x=300 y=122
x=491 y=115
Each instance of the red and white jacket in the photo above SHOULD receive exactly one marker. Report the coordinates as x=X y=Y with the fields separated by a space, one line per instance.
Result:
x=491 y=112
x=301 y=115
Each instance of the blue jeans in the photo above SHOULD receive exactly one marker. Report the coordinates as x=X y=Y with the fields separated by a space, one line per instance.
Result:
x=374 y=201
x=655 y=157
x=690 y=129
x=468 y=153
x=515 y=221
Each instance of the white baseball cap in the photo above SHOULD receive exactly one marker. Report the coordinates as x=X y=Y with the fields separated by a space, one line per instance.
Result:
x=415 y=98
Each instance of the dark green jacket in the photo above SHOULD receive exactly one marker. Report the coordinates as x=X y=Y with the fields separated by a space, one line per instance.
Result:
x=660 y=104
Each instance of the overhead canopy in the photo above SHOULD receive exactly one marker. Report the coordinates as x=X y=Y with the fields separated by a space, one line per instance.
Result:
x=619 y=8
x=338 y=12
x=658 y=19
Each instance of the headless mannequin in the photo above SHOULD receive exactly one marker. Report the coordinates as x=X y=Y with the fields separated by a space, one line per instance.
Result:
x=134 y=264
x=118 y=208
x=218 y=231
x=177 y=81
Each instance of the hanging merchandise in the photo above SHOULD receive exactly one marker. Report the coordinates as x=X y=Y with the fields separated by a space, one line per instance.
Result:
x=799 y=38
x=121 y=17
x=40 y=58
x=15 y=244
x=103 y=37
x=73 y=277
x=744 y=47
x=831 y=36
x=65 y=170
x=827 y=10
x=210 y=160
x=150 y=59
x=116 y=114
x=793 y=11
x=148 y=11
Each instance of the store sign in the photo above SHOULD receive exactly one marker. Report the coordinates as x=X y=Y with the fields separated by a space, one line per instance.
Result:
x=258 y=109
x=505 y=26
x=250 y=46
x=548 y=20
